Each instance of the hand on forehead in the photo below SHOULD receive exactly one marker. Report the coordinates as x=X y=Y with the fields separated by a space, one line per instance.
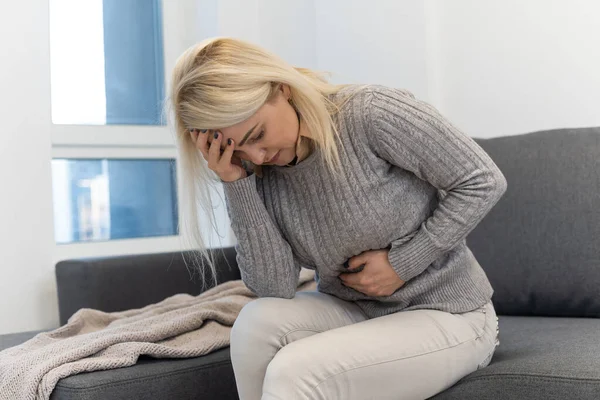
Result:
x=211 y=136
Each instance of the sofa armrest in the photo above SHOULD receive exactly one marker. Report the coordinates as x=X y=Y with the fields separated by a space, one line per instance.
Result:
x=134 y=281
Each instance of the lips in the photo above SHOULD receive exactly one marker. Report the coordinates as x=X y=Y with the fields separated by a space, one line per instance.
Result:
x=275 y=157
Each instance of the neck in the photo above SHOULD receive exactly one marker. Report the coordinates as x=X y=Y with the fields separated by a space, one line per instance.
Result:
x=304 y=145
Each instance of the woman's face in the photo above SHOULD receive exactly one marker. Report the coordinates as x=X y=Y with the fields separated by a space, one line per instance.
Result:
x=272 y=131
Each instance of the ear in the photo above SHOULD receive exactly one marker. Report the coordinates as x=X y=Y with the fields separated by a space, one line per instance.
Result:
x=285 y=90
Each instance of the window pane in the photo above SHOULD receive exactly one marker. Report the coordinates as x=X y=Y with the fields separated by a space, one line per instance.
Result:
x=107 y=199
x=107 y=64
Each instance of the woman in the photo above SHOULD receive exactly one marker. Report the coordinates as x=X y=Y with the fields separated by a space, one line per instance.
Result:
x=368 y=186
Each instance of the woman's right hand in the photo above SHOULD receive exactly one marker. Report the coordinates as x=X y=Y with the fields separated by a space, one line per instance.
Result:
x=227 y=166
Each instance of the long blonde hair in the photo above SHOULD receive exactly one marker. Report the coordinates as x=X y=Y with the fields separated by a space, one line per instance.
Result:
x=221 y=82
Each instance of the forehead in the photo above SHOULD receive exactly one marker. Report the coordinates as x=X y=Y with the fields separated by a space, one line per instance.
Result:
x=239 y=130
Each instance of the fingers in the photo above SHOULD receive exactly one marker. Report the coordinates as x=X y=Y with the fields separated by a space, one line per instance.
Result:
x=356 y=286
x=203 y=139
x=227 y=154
x=355 y=269
x=200 y=138
x=214 y=152
x=353 y=278
x=227 y=165
x=356 y=278
x=357 y=261
x=359 y=282
x=348 y=279
x=194 y=135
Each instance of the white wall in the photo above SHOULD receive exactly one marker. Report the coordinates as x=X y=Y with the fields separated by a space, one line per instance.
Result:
x=381 y=42
x=286 y=28
x=26 y=239
x=517 y=66
x=492 y=68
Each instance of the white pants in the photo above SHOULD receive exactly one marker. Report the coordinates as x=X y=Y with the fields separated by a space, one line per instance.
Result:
x=316 y=346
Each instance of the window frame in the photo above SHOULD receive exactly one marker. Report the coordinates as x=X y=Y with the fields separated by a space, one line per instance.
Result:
x=179 y=31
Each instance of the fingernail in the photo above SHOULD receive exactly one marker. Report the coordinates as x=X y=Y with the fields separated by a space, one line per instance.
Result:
x=229 y=142
x=216 y=135
x=191 y=130
x=203 y=130
x=346 y=265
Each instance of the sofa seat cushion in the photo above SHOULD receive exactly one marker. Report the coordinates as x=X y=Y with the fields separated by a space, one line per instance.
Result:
x=538 y=358
x=14 y=339
x=204 y=378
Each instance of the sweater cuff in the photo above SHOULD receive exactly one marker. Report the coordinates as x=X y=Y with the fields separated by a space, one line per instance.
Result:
x=245 y=205
x=410 y=259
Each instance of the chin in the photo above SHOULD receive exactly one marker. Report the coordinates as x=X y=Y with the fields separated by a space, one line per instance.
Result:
x=286 y=156
x=283 y=158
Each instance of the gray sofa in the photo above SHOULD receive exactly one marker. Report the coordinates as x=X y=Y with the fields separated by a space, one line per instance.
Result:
x=540 y=246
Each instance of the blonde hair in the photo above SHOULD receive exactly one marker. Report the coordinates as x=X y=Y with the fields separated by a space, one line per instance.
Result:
x=221 y=82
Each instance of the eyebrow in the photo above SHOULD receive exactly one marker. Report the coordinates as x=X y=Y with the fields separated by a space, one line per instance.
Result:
x=247 y=135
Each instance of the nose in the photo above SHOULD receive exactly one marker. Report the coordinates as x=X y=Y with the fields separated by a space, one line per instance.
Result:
x=257 y=156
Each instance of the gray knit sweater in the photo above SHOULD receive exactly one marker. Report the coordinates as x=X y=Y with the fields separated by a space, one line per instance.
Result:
x=413 y=183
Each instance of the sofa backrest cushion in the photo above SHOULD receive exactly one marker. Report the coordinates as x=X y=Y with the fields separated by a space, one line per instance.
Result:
x=540 y=244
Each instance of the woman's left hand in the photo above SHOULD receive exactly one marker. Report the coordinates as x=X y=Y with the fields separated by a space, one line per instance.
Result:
x=378 y=278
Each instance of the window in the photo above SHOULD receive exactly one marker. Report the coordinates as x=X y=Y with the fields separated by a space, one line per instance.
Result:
x=108 y=82
x=107 y=199
x=107 y=64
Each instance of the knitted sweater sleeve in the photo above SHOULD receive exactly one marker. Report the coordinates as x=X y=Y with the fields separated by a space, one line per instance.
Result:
x=264 y=257
x=412 y=135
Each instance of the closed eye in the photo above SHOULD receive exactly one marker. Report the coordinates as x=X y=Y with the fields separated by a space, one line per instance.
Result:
x=260 y=136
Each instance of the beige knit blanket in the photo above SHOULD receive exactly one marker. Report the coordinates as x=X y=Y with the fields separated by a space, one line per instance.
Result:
x=180 y=326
